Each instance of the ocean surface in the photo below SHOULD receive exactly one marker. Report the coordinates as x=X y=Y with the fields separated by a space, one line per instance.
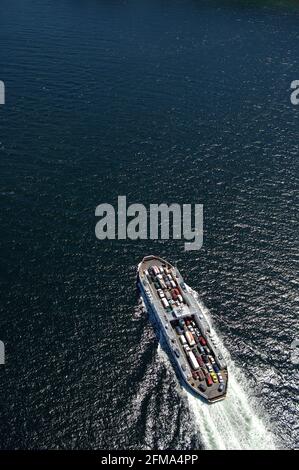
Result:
x=162 y=101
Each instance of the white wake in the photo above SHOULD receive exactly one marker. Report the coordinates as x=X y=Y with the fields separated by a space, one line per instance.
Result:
x=232 y=423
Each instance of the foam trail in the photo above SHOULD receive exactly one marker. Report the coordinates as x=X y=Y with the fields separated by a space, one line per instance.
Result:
x=233 y=422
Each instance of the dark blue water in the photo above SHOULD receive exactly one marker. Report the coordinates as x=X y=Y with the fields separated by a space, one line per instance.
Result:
x=162 y=101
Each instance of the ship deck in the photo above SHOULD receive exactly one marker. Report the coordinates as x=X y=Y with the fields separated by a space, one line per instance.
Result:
x=186 y=310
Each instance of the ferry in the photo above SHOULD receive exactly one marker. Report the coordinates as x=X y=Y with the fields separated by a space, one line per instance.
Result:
x=187 y=332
